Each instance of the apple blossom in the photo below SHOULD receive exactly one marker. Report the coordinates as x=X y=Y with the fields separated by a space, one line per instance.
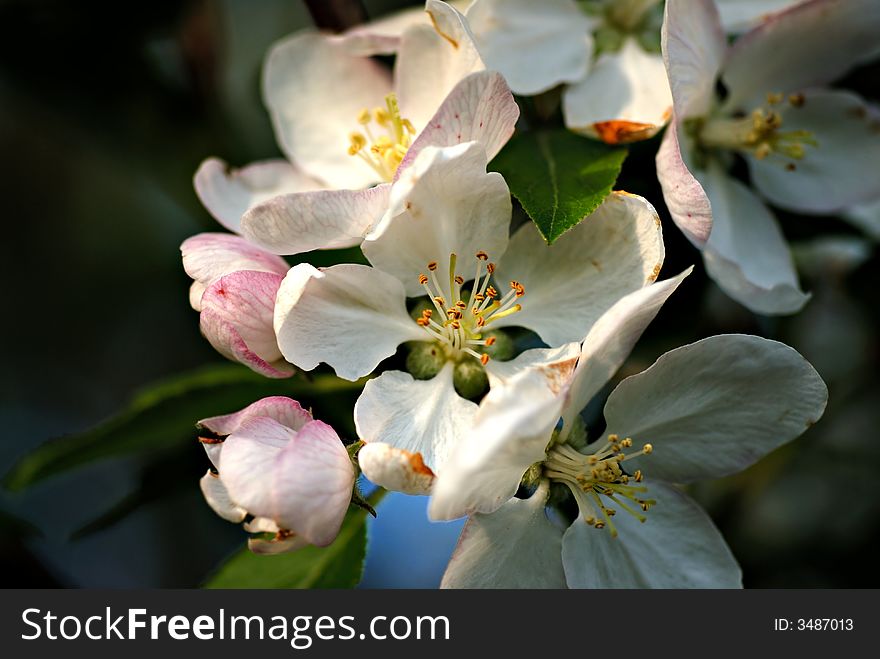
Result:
x=606 y=53
x=806 y=147
x=701 y=411
x=279 y=471
x=347 y=128
x=447 y=224
x=234 y=290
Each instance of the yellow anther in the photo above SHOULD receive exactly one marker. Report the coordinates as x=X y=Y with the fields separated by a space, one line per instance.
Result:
x=490 y=341
x=484 y=359
x=459 y=280
x=380 y=115
x=439 y=300
x=647 y=448
x=763 y=150
x=637 y=477
x=423 y=279
x=408 y=126
x=613 y=438
x=490 y=268
x=364 y=117
x=358 y=142
x=482 y=255
x=491 y=292
x=796 y=100
x=774 y=98
x=432 y=266
x=626 y=443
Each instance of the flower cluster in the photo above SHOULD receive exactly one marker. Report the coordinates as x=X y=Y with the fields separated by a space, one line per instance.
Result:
x=479 y=343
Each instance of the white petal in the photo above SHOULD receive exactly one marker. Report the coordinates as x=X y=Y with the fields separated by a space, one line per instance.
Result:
x=314 y=90
x=227 y=193
x=285 y=411
x=514 y=547
x=209 y=256
x=831 y=175
x=624 y=98
x=811 y=44
x=382 y=36
x=570 y=284
x=218 y=498
x=609 y=343
x=684 y=196
x=536 y=46
x=432 y=60
x=714 y=407
x=445 y=203
x=349 y=316
x=312 y=482
x=326 y=219
x=694 y=48
x=677 y=547
x=738 y=16
x=418 y=416
x=395 y=469
x=479 y=108
x=556 y=364
x=747 y=255
x=510 y=433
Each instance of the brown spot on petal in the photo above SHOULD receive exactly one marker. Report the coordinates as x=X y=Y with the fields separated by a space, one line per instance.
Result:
x=418 y=464
x=558 y=373
x=654 y=273
x=621 y=132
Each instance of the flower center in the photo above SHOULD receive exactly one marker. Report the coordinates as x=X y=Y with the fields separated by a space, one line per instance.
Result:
x=598 y=478
x=759 y=133
x=384 y=145
x=459 y=325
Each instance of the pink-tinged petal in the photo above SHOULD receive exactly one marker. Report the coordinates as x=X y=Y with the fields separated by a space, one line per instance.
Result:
x=684 y=196
x=395 y=469
x=425 y=417
x=209 y=256
x=831 y=175
x=747 y=255
x=325 y=219
x=480 y=108
x=218 y=498
x=311 y=484
x=536 y=45
x=810 y=44
x=514 y=547
x=446 y=203
x=285 y=411
x=237 y=315
x=614 y=251
x=677 y=546
x=715 y=407
x=624 y=98
x=248 y=462
x=694 y=48
x=228 y=193
x=301 y=481
x=432 y=60
x=349 y=316
x=609 y=343
x=314 y=89
x=511 y=431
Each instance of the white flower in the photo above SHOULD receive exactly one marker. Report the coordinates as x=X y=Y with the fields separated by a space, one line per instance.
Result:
x=448 y=224
x=702 y=411
x=616 y=88
x=274 y=462
x=345 y=127
x=807 y=148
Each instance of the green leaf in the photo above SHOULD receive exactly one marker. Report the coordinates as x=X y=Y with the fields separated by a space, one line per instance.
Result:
x=558 y=177
x=163 y=416
x=338 y=566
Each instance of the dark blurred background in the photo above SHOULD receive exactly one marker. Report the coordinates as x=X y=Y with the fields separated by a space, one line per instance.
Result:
x=106 y=110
